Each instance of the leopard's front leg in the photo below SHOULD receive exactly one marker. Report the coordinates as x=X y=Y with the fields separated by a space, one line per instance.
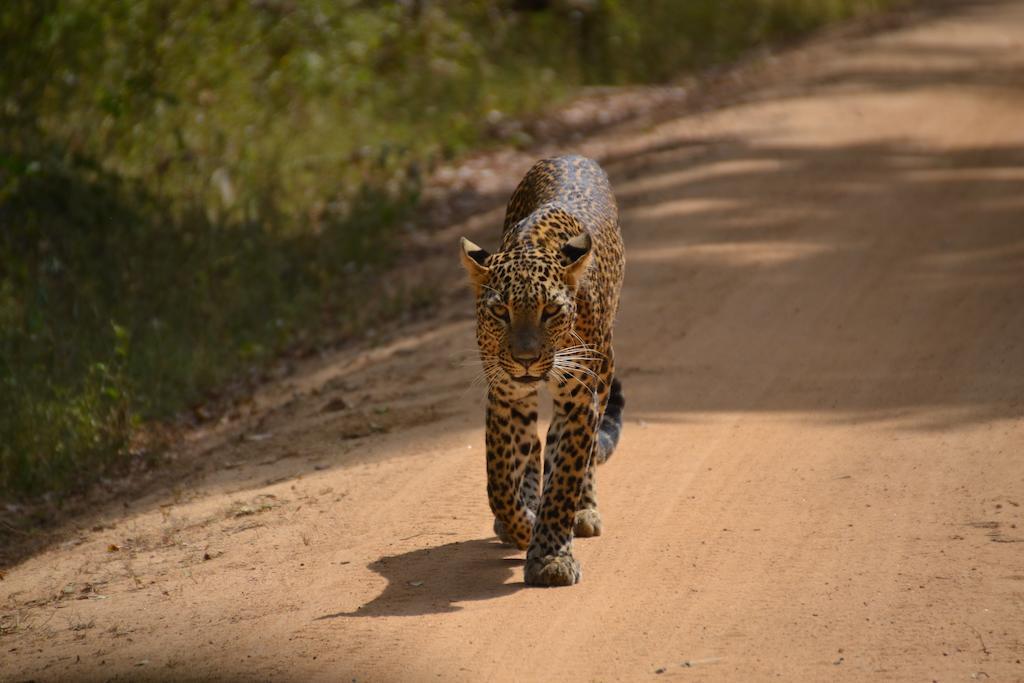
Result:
x=588 y=520
x=513 y=465
x=578 y=406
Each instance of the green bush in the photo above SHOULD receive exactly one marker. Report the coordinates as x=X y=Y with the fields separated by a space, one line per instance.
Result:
x=112 y=309
x=185 y=184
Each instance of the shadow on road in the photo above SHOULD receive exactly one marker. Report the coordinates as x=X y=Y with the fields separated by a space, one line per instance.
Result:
x=433 y=580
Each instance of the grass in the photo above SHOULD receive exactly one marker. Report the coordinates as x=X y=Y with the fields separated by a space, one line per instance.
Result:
x=188 y=187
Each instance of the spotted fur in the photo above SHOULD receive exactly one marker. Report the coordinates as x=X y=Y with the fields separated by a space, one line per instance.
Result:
x=545 y=304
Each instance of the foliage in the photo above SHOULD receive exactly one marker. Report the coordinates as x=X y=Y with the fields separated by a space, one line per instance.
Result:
x=186 y=185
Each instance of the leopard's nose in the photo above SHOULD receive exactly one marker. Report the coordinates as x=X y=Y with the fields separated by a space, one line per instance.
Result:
x=526 y=359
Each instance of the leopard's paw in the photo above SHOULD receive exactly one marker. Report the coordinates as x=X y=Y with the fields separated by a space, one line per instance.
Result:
x=587 y=524
x=553 y=570
x=505 y=536
x=502 y=533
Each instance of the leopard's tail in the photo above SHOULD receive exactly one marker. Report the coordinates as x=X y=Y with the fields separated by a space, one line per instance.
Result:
x=611 y=424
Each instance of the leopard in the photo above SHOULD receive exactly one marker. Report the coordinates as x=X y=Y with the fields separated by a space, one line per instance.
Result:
x=546 y=301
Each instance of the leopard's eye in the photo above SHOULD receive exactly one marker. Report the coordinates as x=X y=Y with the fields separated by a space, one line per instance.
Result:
x=500 y=311
x=550 y=311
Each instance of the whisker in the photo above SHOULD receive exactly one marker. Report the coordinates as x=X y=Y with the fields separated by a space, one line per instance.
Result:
x=585 y=345
x=573 y=368
x=581 y=349
x=493 y=290
x=585 y=371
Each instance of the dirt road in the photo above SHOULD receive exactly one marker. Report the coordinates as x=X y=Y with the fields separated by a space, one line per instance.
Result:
x=822 y=471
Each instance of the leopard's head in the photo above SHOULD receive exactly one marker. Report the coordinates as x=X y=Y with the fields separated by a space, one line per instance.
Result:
x=526 y=306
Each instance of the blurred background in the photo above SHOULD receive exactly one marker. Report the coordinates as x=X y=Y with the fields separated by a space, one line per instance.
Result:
x=189 y=188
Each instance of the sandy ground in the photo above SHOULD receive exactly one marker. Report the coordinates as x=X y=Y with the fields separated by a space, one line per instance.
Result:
x=822 y=471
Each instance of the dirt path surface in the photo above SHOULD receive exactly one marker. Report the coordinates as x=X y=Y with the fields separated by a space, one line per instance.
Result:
x=822 y=471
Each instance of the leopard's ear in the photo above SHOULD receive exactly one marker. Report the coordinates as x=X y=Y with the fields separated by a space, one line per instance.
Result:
x=473 y=258
x=577 y=253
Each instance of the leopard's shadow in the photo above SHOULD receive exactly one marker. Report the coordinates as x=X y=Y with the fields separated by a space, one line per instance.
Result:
x=433 y=580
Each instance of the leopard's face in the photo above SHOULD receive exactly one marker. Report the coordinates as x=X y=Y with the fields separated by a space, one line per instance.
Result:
x=525 y=314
